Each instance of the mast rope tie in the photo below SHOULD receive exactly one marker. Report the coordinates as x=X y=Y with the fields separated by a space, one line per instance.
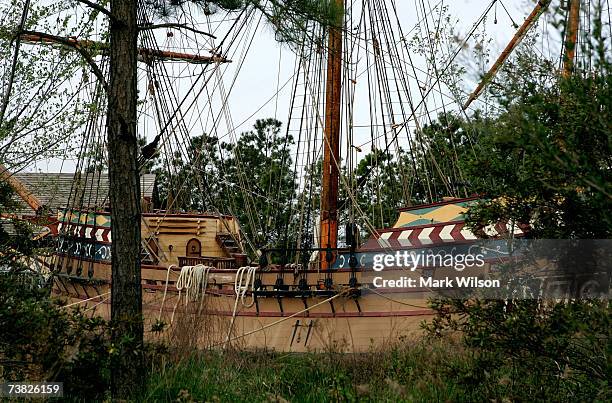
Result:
x=241 y=287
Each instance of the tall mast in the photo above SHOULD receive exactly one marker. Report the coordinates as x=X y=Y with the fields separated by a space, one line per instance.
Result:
x=571 y=36
x=331 y=144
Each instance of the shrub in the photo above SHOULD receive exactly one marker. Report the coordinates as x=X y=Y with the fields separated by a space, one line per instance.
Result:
x=529 y=349
x=42 y=341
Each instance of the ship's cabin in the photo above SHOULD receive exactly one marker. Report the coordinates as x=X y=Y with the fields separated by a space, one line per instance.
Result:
x=191 y=239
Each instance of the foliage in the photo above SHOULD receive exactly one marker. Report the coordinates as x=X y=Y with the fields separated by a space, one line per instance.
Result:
x=546 y=160
x=442 y=149
x=37 y=124
x=437 y=41
x=568 y=343
x=253 y=179
x=380 y=182
x=543 y=159
x=40 y=340
x=290 y=19
x=15 y=234
x=261 y=162
x=188 y=185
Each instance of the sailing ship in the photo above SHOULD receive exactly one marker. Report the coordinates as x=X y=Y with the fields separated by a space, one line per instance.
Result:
x=196 y=267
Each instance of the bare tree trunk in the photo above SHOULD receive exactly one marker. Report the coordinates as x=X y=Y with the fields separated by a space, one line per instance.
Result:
x=127 y=375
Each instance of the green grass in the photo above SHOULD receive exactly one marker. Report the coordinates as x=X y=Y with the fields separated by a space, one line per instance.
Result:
x=408 y=373
x=440 y=370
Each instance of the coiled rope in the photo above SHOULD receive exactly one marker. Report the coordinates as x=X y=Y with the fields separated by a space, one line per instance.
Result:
x=192 y=279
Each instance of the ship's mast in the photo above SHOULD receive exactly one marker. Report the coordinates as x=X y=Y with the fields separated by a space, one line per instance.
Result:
x=331 y=144
x=571 y=36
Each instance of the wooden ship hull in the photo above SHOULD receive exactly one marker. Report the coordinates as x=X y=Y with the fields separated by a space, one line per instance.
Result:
x=196 y=281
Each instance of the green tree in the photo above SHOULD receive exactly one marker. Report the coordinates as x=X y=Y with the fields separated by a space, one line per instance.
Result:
x=193 y=185
x=260 y=181
x=546 y=159
x=252 y=179
x=291 y=20
x=15 y=234
x=380 y=188
x=40 y=84
x=440 y=150
x=543 y=159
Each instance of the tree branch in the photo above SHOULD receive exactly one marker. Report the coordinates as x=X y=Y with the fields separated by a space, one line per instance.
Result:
x=99 y=8
x=74 y=45
x=174 y=25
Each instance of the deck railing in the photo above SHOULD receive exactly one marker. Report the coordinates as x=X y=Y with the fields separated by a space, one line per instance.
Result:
x=216 y=262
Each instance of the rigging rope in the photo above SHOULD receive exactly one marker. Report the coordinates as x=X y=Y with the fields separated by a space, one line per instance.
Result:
x=303 y=311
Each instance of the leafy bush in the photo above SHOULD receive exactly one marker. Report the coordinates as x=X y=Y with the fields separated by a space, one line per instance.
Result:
x=545 y=158
x=535 y=350
x=42 y=341
x=15 y=235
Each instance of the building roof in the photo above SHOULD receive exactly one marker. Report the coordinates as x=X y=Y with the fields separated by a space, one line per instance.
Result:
x=67 y=190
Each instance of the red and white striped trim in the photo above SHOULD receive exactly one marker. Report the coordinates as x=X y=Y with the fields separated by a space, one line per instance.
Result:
x=87 y=232
x=436 y=234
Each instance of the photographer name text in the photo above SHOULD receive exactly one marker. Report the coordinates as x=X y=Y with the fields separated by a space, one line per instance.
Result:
x=429 y=282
